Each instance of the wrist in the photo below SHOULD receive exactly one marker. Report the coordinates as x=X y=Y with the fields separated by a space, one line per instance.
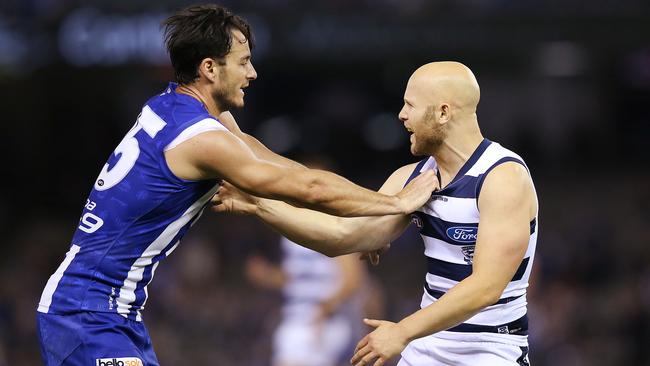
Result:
x=258 y=206
x=400 y=206
x=394 y=202
x=266 y=207
x=408 y=330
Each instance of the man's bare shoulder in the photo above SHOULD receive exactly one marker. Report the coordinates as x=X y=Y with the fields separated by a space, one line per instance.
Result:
x=196 y=156
x=509 y=184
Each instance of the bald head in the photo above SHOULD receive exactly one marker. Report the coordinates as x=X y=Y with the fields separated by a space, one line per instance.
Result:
x=440 y=106
x=446 y=82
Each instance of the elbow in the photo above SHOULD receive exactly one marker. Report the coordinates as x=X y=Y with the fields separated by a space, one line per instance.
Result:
x=488 y=294
x=310 y=188
x=339 y=243
x=336 y=250
x=333 y=249
x=330 y=252
x=316 y=192
x=491 y=296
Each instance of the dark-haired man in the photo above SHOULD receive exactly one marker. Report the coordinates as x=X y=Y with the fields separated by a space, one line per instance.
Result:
x=156 y=184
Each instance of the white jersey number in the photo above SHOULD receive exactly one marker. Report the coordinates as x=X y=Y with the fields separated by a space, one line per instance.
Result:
x=129 y=150
x=90 y=223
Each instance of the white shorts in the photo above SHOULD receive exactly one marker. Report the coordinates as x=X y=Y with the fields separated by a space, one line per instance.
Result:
x=303 y=344
x=433 y=350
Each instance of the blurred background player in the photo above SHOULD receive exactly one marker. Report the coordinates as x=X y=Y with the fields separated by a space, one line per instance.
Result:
x=322 y=304
x=323 y=300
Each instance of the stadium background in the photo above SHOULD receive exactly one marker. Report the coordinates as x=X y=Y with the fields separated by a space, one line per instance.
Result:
x=564 y=83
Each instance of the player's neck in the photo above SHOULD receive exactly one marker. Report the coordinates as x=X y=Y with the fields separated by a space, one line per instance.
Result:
x=202 y=95
x=455 y=151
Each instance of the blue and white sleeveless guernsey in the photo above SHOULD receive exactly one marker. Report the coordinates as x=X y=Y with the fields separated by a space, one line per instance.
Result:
x=448 y=224
x=301 y=338
x=311 y=279
x=135 y=215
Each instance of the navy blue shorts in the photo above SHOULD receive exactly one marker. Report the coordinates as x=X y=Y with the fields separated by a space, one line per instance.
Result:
x=94 y=339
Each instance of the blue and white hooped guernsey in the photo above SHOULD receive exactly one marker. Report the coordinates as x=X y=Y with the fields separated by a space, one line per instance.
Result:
x=448 y=224
x=311 y=279
x=135 y=216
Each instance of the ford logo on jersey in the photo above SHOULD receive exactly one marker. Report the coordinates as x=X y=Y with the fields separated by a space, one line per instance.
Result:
x=462 y=234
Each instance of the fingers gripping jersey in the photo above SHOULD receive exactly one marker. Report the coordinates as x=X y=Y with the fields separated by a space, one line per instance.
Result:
x=135 y=216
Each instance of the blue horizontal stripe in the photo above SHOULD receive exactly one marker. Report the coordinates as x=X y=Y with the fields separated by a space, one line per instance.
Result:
x=517 y=327
x=461 y=187
x=435 y=227
x=438 y=294
x=458 y=272
x=452 y=271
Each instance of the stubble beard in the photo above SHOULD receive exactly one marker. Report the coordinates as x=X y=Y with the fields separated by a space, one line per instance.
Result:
x=430 y=143
x=223 y=101
x=429 y=147
x=437 y=138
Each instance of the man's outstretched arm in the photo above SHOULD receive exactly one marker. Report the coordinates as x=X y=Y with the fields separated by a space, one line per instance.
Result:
x=220 y=154
x=330 y=235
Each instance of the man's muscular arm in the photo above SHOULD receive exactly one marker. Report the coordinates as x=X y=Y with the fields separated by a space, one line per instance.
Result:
x=220 y=154
x=330 y=235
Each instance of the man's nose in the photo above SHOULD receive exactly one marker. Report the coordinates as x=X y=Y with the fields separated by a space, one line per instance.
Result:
x=252 y=73
x=402 y=115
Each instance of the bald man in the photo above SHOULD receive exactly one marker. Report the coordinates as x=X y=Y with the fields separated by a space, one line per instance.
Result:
x=479 y=230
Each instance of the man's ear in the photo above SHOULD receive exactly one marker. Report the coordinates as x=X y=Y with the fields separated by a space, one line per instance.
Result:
x=209 y=69
x=444 y=115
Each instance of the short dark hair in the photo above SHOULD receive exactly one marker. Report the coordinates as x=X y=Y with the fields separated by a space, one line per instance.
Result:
x=198 y=32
